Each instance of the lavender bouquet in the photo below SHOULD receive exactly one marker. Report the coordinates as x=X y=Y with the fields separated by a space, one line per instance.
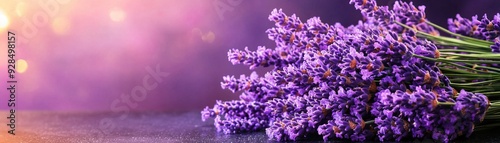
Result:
x=390 y=77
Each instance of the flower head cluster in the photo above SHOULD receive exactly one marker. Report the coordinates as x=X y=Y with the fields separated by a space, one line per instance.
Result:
x=358 y=82
x=469 y=109
x=402 y=12
x=483 y=28
x=495 y=48
x=346 y=127
x=237 y=116
x=471 y=106
x=395 y=111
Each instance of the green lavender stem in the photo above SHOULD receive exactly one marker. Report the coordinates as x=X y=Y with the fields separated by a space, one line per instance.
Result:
x=462 y=50
x=465 y=38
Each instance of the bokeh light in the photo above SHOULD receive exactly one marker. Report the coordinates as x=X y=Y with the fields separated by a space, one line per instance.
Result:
x=60 y=25
x=21 y=66
x=117 y=15
x=4 y=20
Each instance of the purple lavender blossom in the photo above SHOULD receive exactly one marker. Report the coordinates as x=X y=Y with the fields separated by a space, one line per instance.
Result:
x=495 y=48
x=207 y=113
x=351 y=101
x=483 y=28
x=364 y=6
x=408 y=14
x=280 y=108
x=237 y=116
x=471 y=106
x=277 y=130
x=298 y=128
x=345 y=127
x=489 y=28
x=294 y=127
x=449 y=126
x=396 y=110
x=389 y=125
x=402 y=12
x=283 y=21
x=465 y=26
x=262 y=57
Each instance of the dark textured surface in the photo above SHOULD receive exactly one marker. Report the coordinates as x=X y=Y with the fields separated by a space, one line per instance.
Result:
x=140 y=127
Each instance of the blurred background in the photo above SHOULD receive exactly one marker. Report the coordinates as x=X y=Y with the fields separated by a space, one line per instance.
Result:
x=93 y=55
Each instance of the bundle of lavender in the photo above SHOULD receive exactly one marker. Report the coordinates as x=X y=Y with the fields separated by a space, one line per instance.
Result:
x=390 y=77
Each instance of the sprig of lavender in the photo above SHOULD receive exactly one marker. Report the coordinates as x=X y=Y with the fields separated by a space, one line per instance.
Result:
x=386 y=78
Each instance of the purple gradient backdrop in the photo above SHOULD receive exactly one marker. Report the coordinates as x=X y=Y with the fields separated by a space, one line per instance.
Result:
x=94 y=60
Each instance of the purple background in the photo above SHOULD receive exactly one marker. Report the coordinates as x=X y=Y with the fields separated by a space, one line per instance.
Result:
x=97 y=60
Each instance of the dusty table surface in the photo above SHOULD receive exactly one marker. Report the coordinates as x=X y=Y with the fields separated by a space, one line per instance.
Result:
x=64 y=127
